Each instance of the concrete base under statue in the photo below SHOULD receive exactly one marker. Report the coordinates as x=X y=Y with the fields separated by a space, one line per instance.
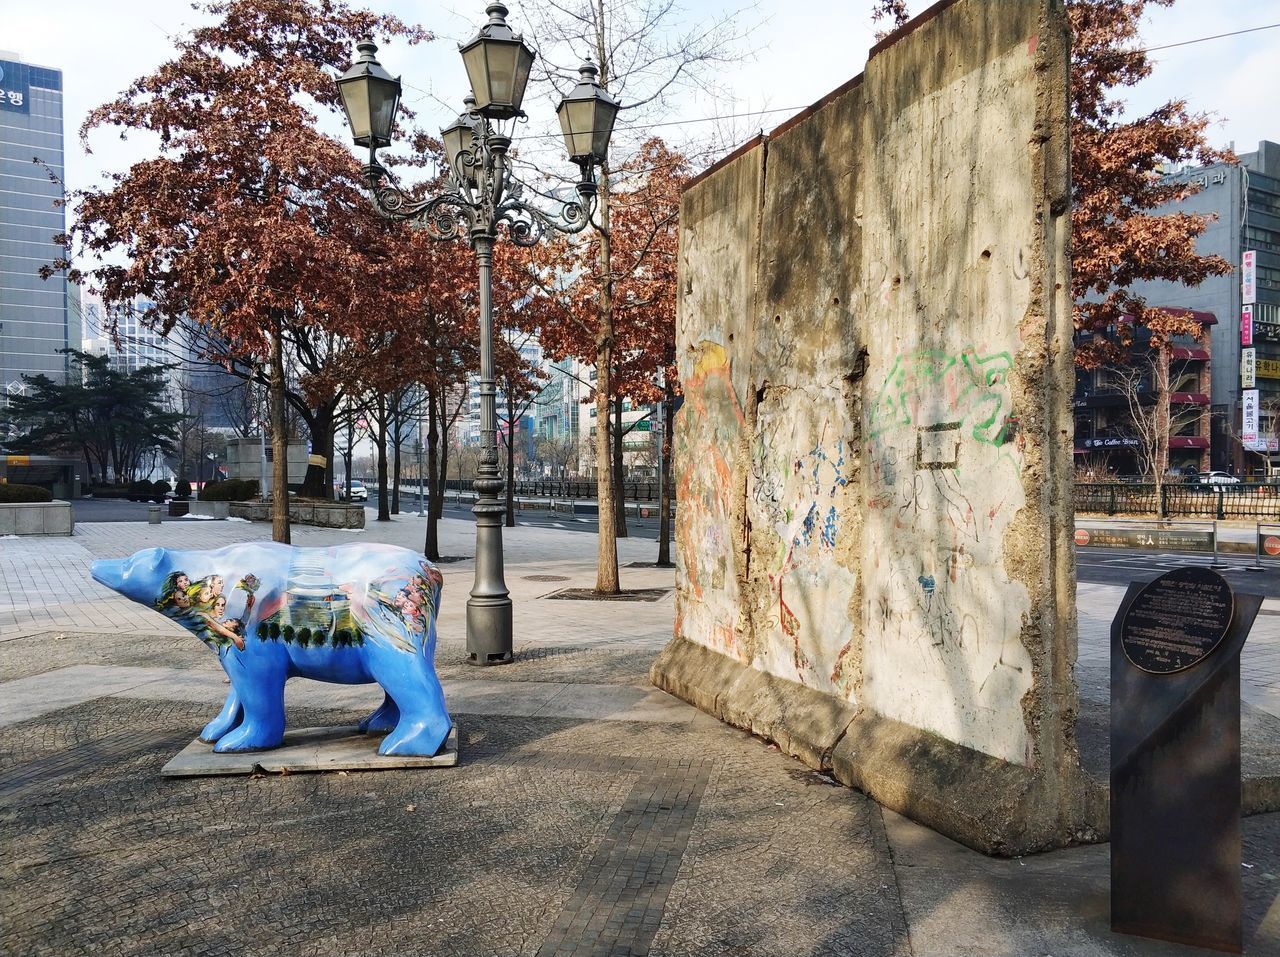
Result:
x=340 y=748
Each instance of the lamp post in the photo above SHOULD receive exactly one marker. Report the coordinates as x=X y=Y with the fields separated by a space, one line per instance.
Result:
x=482 y=195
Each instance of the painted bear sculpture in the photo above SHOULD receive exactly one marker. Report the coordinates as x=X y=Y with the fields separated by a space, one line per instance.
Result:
x=350 y=614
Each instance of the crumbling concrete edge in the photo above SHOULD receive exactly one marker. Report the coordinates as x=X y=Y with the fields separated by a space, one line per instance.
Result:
x=992 y=806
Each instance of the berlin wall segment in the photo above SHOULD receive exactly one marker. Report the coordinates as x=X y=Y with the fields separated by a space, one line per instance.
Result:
x=874 y=530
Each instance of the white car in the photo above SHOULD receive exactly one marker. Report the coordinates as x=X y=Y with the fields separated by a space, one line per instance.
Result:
x=358 y=492
x=1218 y=478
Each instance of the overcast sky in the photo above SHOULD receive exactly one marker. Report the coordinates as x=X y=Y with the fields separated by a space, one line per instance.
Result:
x=801 y=52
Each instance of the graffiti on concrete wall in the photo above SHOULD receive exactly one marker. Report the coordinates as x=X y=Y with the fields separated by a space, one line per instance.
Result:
x=711 y=424
x=943 y=467
x=949 y=397
x=799 y=476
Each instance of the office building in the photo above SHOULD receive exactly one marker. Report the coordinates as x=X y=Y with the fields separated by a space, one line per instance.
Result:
x=1244 y=200
x=37 y=317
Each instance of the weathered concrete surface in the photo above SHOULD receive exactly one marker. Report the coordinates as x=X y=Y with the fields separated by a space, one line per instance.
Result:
x=873 y=458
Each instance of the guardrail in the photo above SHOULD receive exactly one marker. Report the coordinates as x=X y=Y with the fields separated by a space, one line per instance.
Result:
x=1183 y=500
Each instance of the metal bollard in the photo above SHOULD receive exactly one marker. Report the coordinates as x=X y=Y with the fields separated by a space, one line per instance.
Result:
x=1257 y=565
x=1217 y=562
x=153 y=514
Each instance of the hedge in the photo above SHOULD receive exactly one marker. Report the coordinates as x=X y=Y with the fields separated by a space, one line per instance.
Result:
x=14 y=493
x=230 y=490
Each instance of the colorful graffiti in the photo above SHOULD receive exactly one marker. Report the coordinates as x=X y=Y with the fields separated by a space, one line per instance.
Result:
x=798 y=497
x=711 y=423
x=351 y=614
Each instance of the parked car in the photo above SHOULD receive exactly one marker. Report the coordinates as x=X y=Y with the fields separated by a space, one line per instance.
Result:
x=1218 y=478
x=358 y=492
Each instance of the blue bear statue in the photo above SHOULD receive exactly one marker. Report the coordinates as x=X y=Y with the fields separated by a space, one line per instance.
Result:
x=350 y=614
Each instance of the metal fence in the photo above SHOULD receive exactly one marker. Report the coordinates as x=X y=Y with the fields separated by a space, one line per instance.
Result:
x=584 y=489
x=1189 y=500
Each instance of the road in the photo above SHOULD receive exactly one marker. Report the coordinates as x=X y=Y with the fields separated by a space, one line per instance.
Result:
x=1118 y=566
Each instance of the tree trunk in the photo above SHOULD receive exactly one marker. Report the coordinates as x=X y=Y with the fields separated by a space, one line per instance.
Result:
x=435 y=481
x=511 y=459
x=279 y=441
x=318 y=483
x=1163 y=427
x=607 y=554
x=397 y=425
x=664 y=500
x=619 y=471
x=384 y=513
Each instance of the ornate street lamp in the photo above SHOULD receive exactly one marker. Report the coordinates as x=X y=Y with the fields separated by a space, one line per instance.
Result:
x=481 y=196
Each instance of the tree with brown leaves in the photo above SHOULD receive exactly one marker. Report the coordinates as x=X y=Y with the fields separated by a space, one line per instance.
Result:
x=248 y=220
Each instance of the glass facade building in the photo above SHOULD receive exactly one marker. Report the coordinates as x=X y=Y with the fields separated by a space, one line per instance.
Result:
x=36 y=315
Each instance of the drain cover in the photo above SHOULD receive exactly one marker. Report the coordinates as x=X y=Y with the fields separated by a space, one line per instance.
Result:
x=546 y=578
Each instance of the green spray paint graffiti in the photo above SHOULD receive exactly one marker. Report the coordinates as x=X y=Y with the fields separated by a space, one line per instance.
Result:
x=941 y=392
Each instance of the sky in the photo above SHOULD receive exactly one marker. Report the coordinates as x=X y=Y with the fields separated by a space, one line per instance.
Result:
x=794 y=55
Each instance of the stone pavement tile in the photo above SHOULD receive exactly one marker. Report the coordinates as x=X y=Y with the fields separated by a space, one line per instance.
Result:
x=959 y=902
x=543 y=820
x=48 y=691
x=51 y=587
x=37 y=695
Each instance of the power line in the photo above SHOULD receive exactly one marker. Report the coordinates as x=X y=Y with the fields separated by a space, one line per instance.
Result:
x=1218 y=36
x=794 y=109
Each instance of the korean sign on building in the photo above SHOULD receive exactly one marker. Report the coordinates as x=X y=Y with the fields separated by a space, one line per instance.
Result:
x=1248 y=368
x=1249 y=417
x=1249 y=277
x=15 y=87
x=1246 y=325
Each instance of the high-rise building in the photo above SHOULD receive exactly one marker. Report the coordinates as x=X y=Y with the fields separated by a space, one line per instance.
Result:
x=1244 y=200
x=36 y=315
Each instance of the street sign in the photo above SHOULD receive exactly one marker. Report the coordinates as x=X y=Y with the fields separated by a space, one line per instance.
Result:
x=1249 y=416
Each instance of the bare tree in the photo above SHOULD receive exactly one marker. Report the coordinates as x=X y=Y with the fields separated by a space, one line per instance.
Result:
x=646 y=59
x=557 y=451
x=1145 y=385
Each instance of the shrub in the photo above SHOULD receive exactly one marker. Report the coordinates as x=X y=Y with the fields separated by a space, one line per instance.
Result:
x=109 y=491
x=15 y=493
x=184 y=489
x=230 y=490
x=159 y=490
x=139 y=491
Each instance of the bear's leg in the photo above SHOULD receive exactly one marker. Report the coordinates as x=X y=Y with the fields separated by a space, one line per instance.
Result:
x=226 y=720
x=259 y=684
x=412 y=684
x=383 y=719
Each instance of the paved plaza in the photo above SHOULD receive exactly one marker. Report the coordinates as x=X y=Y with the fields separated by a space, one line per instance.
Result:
x=590 y=814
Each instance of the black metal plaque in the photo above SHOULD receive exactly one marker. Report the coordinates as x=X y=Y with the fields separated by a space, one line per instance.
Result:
x=1175 y=759
x=1177 y=620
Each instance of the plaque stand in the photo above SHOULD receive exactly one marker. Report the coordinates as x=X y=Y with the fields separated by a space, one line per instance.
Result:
x=1175 y=792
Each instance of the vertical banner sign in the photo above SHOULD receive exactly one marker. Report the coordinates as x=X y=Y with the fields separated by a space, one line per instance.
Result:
x=1248 y=368
x=1249 y=277
x=1246 y=325
x=1249 y=417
